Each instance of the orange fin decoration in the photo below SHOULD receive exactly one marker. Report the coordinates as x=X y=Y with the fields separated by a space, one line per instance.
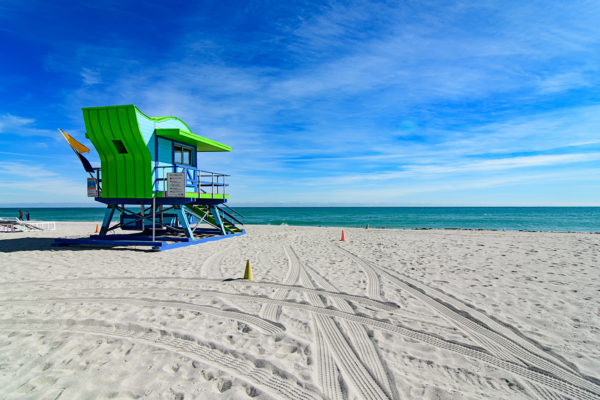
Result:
x=75 y=145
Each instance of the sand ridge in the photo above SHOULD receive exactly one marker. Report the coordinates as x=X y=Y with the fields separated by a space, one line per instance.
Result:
x=387 y=314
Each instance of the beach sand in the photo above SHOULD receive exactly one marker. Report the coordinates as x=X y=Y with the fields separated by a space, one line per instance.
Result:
x=400 y=314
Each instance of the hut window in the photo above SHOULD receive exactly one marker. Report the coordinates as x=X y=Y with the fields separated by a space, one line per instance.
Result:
x=120 y=146
x=183 y=155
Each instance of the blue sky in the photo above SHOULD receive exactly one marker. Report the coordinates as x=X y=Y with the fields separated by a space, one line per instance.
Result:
x=376 y=103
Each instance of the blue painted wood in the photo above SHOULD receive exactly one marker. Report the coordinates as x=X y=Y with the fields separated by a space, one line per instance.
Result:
x=131 y=222
x=232 y=217
x=183 y=221
x=111 y=243
x=110 y=211
x=165 y=151
x=155 y=165
x=140 y=241
x=168 y=246
x=217 y=217
x=146 y=127
x=159 y=238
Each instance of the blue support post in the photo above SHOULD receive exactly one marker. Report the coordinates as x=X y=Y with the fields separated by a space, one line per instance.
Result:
x=217 y=217
x=184 y=223
x=155 y=186
x=107 y=218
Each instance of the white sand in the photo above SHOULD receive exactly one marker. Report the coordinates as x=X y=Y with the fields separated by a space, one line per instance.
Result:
x=397 y=314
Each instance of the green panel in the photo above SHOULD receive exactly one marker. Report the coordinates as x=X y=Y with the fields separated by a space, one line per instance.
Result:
x=103 y=146
x=138 y=160
x=120 y=172
x=119 y=122
x=143 y=163
x=110 y=123
x=91 y=125
x=211 y=196
x=192 y=195
x=124 y=175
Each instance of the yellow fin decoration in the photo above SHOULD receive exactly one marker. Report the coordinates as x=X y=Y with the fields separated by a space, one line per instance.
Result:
x=74 y=143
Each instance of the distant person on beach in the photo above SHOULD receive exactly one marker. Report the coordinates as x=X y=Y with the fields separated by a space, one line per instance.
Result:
x=27 y=215
x=21 y=215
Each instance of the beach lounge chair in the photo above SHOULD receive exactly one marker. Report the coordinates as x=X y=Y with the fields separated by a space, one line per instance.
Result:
x=16 y=225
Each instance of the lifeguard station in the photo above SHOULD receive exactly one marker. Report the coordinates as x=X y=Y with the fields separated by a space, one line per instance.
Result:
x=150 y=181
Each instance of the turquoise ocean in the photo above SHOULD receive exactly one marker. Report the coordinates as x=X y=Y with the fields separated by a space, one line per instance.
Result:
x=562 y=219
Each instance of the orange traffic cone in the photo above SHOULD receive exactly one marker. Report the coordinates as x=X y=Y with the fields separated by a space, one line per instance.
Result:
x=96 y=228
x=343 y=239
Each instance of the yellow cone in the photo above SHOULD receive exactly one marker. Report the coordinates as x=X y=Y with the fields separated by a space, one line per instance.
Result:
x=248 y=273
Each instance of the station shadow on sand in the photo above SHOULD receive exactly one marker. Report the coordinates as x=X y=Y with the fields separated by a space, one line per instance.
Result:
x=45 y=244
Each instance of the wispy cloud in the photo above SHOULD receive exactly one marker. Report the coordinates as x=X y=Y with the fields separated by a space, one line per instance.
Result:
x=9 y=123
x=343 y=93
x=22 y=126
x=90 y=77
x=397 y=194
x=30 y=182
x=17 y=171
x=456 y=170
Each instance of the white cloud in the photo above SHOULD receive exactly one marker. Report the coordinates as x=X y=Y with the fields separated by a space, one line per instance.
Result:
x=501 y=164
x=90 y=77
x=22 y=126
x=566 y=81
x=30 y=182
x=18 y=171
x=9 y=123
x=455 y=170
x=397 y=192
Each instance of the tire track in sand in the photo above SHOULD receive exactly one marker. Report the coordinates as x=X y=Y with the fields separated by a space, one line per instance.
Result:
x=374 y=284
x=65 y=284
x=450 y=307
x=355 y=373
x=481 y=325
x=181 y=344
x=541 y=393
x=365 y=348
x=535 y=375
x=267 y=327
x=373 y=281
x=327 y=370
x=213 y=260
x=271 y=311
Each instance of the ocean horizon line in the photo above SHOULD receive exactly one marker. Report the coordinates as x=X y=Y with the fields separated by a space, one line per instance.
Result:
x=103 y=206
x=511 y=218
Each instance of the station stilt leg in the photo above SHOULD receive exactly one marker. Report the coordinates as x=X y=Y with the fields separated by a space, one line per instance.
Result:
x=184 y=223
x=108 y=215
x=217 y=217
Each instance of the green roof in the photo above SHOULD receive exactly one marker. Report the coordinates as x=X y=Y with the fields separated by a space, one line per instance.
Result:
x=201 y=143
